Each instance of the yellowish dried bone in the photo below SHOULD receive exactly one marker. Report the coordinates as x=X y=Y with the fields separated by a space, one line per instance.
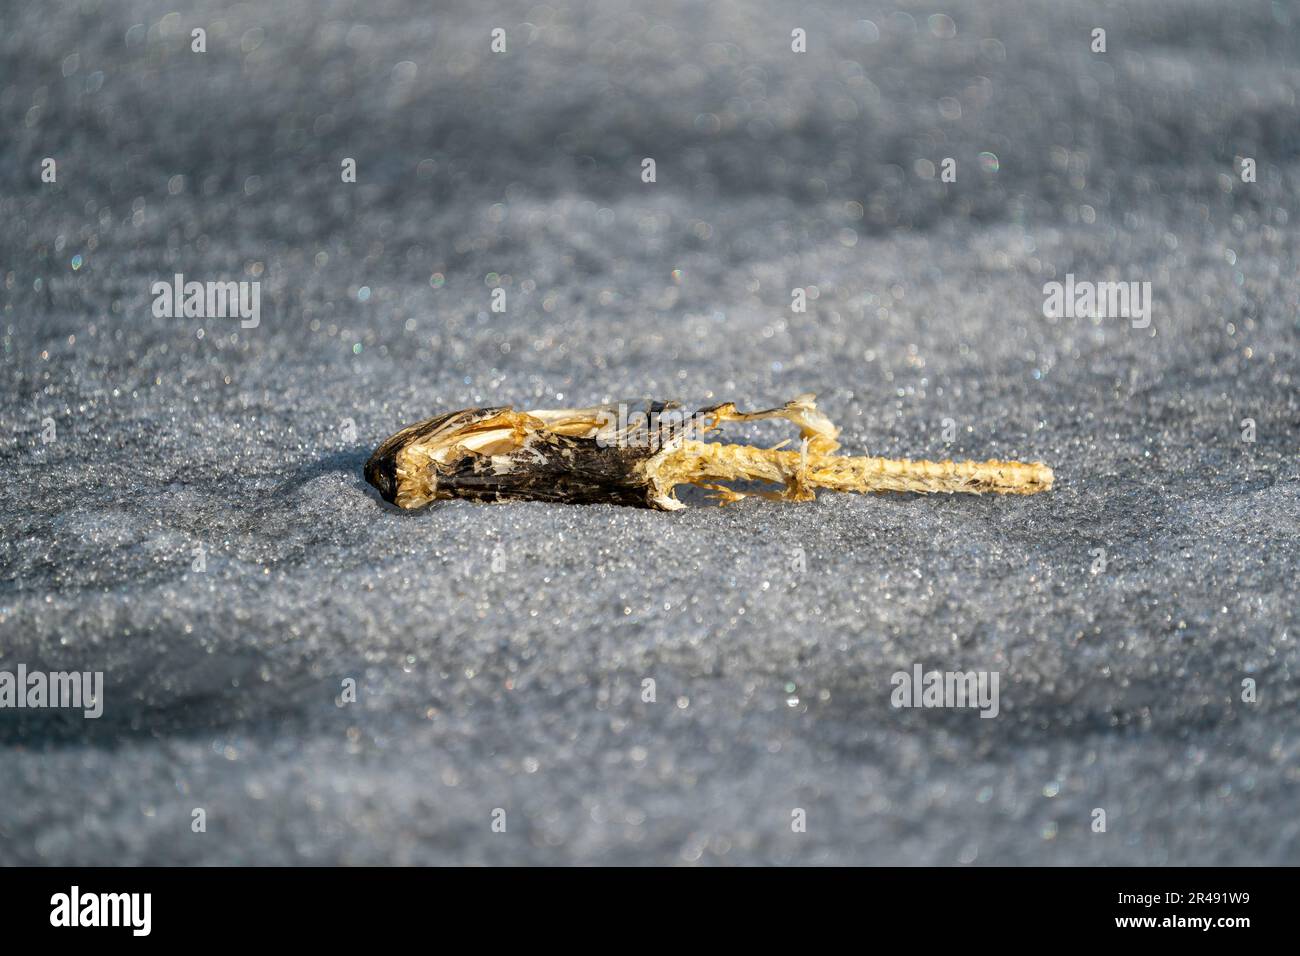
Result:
x=706 y=464
x=800 y=472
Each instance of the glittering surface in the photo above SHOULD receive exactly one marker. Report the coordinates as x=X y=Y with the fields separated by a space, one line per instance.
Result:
x=500 y=652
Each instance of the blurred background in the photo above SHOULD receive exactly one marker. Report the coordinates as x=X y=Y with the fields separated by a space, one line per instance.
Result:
x=500 y=653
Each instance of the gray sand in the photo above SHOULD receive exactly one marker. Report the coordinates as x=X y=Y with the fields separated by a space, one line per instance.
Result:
x=499 y=652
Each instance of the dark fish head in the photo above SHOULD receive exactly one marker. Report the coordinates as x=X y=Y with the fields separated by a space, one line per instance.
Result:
x=381 y=469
